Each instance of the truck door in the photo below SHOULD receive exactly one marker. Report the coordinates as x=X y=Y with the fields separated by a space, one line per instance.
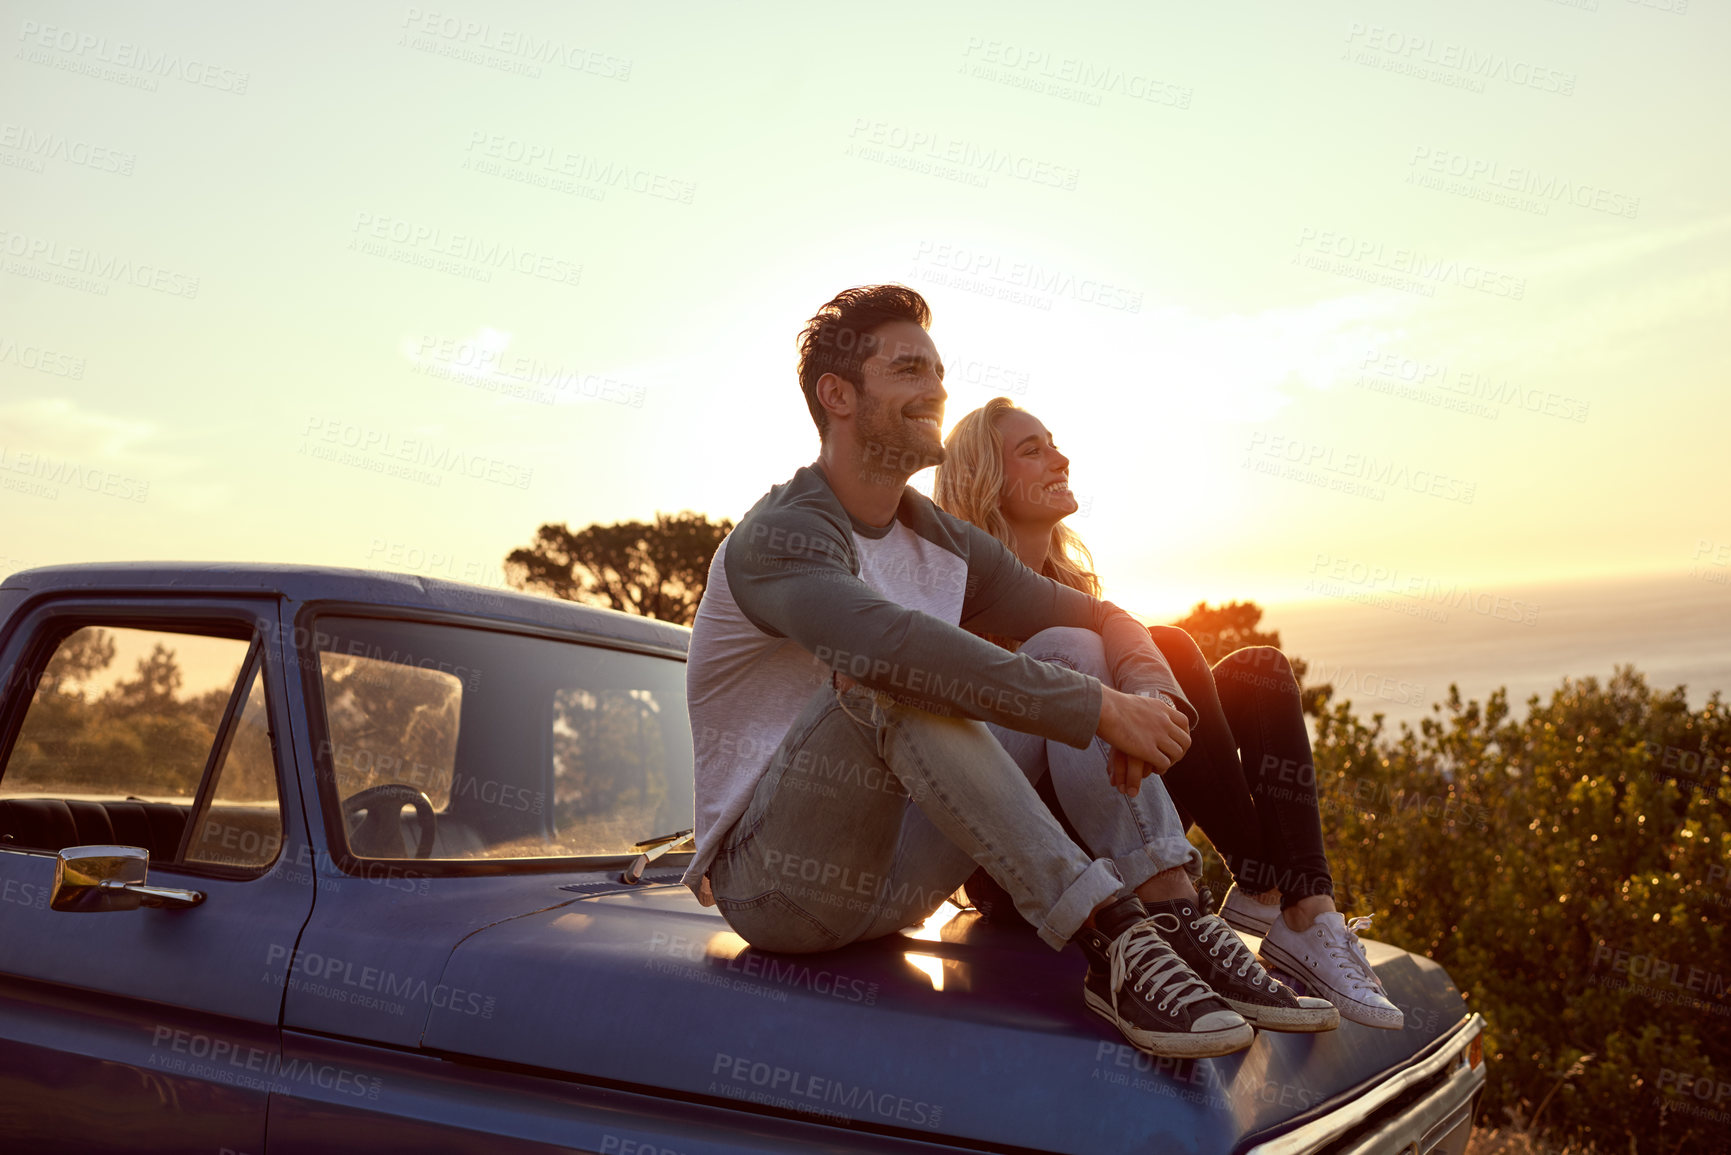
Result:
x=156 y=723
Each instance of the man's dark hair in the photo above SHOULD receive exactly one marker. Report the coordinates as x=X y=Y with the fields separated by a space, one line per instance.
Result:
x=842 y=335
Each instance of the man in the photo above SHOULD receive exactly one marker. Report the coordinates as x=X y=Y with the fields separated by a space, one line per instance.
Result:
x=845 y=782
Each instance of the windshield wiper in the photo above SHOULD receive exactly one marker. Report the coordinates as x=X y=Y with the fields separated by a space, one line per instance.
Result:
x=652 y=848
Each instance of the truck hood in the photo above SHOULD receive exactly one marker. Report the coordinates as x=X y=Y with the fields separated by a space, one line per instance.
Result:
x=970 y=1029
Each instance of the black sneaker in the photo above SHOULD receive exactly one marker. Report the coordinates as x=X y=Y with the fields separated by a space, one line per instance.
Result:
x=1137 y=983
x=1219 y=957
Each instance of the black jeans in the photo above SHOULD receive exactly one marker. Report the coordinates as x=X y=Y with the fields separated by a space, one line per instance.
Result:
x=1248 y=779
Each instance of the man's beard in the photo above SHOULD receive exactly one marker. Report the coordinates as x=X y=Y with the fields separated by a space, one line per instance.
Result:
x=890 y=446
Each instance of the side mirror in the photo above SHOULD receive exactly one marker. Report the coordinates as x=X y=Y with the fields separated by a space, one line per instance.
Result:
x=99 y=878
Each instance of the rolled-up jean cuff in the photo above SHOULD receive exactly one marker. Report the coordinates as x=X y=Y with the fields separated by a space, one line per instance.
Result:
x=1092 y=887
x=1144 y=863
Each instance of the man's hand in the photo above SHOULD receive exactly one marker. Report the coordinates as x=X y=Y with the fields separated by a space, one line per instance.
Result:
x=1146 y=735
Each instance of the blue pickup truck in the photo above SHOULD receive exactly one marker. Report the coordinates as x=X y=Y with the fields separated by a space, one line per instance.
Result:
x=311 y=859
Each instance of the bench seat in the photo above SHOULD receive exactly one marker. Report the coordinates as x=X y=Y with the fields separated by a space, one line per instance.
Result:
x=53 y=824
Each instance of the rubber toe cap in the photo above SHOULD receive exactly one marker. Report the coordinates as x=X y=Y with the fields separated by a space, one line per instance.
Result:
x=1218 y=1021
x=1376 y=1012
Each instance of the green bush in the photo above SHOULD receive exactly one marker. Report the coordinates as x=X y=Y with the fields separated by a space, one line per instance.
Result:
x=1572 y=871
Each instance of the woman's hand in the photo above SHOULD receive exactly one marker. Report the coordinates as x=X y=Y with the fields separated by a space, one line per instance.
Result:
x=1147 y=735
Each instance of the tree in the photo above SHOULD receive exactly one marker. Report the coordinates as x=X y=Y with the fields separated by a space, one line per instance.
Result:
x=1218 y=632
x=139 y=736
x=154 y=690
x=656 y=570
x=80 y=657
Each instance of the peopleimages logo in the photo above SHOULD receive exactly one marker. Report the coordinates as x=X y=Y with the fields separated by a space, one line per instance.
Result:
x=969 y=156
x=415 y=242
x=555 y=160
x=310 y=967
x=1345 y=576
x=517 y=49
x=104 y=268
x=385 y=452
x=922 y=684
x=236 y=1064
x=495 y=369
x=1398 y=259
x=776 y=971
x=1523 y=179
x=87 y=51
x=1024 y=275
x=72 y=474
x=1066 y=77
x=41 y=360
x=1660 y=979
x=800 y=1090
x=1356 y=466
x=46 y=145
x=1704 y=1088
x=1469 y=386
x=1458 y=65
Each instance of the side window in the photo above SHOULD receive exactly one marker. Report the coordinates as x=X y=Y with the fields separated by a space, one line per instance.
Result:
x=239 y=822
x=525 y=746
x=117 y=738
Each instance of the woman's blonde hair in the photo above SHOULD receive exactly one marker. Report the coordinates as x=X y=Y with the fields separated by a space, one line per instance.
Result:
x=970 y=485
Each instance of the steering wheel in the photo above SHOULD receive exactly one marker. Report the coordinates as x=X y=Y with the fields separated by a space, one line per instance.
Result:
x=383 y=824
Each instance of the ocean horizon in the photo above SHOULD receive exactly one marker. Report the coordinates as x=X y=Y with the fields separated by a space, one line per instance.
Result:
x=1396 y=651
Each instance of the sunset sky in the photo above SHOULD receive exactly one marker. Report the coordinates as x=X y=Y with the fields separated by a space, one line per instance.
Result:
x=1434 y=290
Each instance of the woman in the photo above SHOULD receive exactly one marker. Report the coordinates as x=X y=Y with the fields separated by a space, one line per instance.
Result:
x=1004 y=473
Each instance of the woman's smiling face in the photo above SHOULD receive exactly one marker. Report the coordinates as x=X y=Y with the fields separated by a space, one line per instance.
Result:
x=1036 y=475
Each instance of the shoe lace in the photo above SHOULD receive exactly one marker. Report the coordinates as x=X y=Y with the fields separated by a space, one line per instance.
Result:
x=1351 y=954
x=1157 y=966
x=1213 y=932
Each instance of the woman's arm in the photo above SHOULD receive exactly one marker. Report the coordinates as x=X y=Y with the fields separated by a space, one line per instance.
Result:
x=1137 y=665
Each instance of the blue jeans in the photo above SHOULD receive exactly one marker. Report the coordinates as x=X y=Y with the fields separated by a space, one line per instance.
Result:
x=872 y=813
x=1143 y=835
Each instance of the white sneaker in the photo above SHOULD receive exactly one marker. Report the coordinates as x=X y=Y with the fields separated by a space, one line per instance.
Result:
x=1330 y=960
x=1248 y=916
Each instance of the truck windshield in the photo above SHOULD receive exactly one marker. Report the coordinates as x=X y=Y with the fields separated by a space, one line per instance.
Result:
x=458 y=743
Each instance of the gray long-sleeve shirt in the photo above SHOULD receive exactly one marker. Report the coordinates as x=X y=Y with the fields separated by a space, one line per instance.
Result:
x=799 y=588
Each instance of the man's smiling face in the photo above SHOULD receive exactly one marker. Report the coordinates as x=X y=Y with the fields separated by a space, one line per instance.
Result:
x=899 y=422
